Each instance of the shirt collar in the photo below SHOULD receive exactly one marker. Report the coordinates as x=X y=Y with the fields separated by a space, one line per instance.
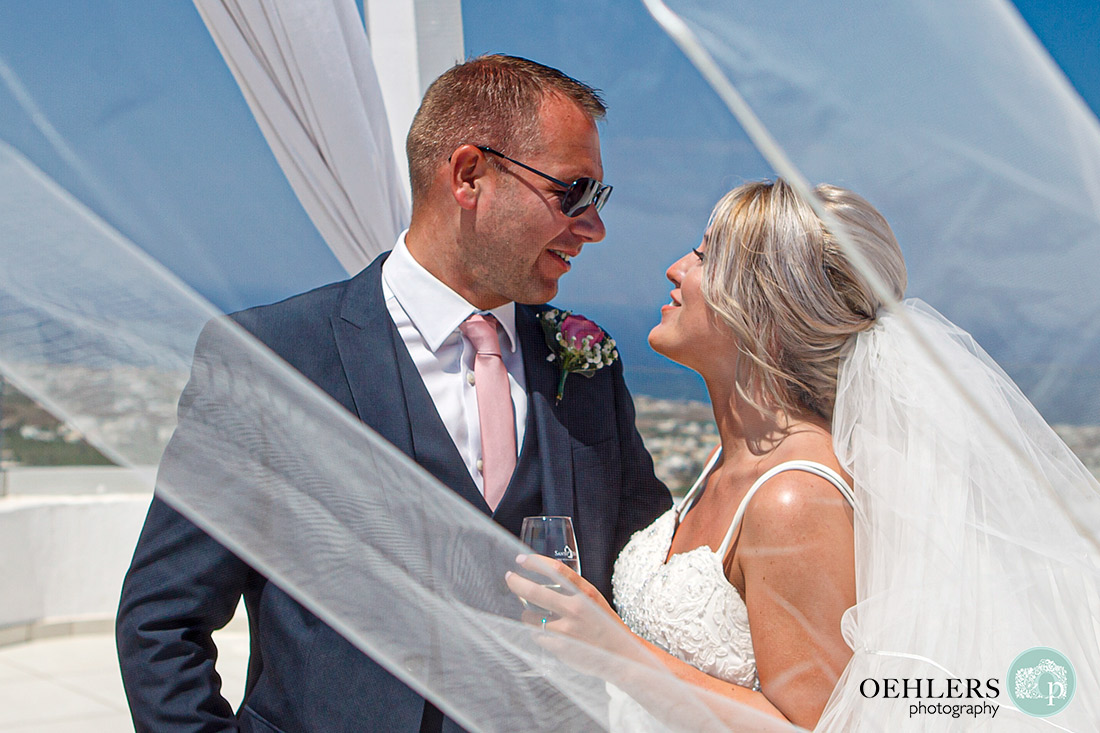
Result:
x=436 y=311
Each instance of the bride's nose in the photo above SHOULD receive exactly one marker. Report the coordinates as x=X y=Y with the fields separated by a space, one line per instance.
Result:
x=675 y=271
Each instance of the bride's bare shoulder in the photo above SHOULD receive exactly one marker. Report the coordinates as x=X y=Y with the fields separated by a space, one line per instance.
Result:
x=798 y=506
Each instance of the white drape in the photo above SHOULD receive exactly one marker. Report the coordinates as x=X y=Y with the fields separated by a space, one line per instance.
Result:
x=305 y=69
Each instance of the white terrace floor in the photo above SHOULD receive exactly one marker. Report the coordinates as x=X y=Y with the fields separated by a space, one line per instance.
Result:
x=71 y=684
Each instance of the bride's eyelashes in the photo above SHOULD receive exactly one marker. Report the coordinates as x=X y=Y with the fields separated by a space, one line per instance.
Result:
x=697 y=253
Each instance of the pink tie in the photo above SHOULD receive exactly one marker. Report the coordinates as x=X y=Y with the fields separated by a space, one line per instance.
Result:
x=494 y=407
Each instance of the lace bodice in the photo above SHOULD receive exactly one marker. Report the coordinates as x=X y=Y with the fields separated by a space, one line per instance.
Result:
x=687 y=606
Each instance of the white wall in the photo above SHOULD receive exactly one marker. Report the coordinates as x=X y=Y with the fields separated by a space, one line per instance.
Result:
x=66 y=538
x=76 y=481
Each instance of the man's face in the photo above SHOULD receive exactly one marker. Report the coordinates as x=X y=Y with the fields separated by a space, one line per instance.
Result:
x=523 y=240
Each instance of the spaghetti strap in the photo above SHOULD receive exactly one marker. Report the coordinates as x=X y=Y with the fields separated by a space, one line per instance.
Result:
x=693 y=492
x=810 y=467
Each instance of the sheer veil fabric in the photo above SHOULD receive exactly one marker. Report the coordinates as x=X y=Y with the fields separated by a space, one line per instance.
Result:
x=974 y=541
x=965 y=556
x=285 y=477
x=953 y=121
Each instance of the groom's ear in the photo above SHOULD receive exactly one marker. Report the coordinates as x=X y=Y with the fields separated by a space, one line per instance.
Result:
x=467 y=169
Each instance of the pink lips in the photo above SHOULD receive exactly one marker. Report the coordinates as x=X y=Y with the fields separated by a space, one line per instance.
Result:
x=674 y=304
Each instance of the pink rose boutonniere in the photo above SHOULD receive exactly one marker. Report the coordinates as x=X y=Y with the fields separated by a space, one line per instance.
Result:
x=577 y=344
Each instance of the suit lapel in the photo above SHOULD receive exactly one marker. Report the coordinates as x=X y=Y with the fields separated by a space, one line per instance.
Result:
x=390 y=397
x=367 y=344
x=554 y=444
x=386 y=387
x=433 y=447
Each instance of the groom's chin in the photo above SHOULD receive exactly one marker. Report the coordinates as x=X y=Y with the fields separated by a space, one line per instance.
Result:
x=544 y=294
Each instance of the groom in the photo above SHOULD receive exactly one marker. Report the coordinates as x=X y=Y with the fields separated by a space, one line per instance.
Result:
x=436 y=346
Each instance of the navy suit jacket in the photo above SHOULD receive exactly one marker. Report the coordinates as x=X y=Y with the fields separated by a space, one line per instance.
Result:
x=582 y=458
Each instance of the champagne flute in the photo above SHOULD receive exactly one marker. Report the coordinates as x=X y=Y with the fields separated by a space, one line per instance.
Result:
x=552 y=537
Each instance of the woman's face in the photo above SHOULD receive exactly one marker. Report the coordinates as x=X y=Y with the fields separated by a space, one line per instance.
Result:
x=690 y=333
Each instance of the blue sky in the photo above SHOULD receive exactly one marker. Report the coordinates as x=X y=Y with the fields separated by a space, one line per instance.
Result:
x=171 y=157
x=672 y=149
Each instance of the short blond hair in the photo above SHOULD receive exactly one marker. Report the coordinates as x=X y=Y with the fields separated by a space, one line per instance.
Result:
x=777 y=276
x=489 y=100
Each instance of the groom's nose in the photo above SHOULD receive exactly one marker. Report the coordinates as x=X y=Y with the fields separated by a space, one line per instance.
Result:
x=588 y=226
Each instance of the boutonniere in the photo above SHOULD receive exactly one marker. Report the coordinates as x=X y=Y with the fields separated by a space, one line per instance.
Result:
x=577 y=344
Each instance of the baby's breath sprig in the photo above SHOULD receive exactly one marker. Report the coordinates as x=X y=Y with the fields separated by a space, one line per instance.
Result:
x=577 y=344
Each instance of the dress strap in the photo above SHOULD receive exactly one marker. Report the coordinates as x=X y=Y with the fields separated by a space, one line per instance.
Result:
x=693 y=492
x=810 y=467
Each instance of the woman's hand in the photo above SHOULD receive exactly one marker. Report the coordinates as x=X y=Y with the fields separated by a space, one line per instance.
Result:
x=585 y=616
x=592 y=639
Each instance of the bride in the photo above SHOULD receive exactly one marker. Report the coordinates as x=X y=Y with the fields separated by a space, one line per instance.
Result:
x=741 y=589
x=749 y=587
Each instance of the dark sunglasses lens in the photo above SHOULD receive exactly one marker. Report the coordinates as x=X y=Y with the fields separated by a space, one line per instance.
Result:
x=601 y=197
x=579 y=196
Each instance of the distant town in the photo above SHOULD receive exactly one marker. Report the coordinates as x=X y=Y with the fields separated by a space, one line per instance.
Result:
x=679 y=434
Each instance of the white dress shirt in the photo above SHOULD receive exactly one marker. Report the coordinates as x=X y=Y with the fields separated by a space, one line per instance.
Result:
x=427 y=314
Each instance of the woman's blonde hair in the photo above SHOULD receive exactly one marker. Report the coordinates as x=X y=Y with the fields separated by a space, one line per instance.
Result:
x=779 y=279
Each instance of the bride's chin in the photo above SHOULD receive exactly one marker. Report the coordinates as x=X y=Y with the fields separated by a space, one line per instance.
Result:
x=654 y=339
x=660 y=346
x=680 y=352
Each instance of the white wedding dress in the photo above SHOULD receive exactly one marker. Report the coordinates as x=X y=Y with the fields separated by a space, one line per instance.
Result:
x=686 y=605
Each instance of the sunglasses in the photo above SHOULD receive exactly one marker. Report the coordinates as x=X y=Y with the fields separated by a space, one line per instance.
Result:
x=579 y=195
